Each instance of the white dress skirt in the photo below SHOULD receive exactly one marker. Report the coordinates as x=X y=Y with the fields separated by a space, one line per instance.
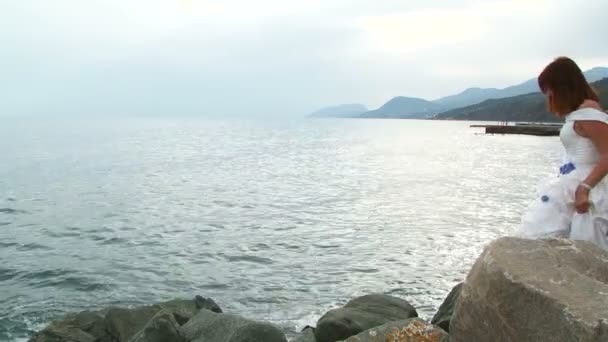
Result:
x=552 y=213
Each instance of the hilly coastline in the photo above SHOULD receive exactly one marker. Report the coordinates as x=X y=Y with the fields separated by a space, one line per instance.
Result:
x=405 y=108
x=340 y=111
x=529 y=107
x=518 y=102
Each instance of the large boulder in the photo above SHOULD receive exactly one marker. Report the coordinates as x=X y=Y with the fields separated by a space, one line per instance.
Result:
x=123 y=324
x=93 y=322
x=63 y=333
x=162 y=328
x=534 y=290
x=444 y=315
x=361 y=314
x=208 y=326
x=306 y=335
x=184 y=310
x=126 y=324
x=409 y=330
x=207 y=304
x=258 y=332
x=86 y=326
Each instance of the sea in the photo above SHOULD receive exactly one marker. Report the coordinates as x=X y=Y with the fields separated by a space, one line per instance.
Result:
x=276 y=220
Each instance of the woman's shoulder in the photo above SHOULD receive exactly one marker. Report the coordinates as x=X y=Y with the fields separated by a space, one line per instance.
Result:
x=587 y=114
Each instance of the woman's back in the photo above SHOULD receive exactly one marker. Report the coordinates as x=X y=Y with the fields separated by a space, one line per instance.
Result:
x=579 y=150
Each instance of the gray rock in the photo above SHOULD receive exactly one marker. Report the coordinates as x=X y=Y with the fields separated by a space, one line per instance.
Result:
x=444 y=315
x=207 y=304
x=162 y=328
x=184 y=310
x=409 y=330
x=93 y=322
x=258 y=332
x=120 y=324
x=62 y=333
x=123 y=324
x=307 y=335
x=209 y=326
x=361 y=314
x=534 y=290
x=87 y=326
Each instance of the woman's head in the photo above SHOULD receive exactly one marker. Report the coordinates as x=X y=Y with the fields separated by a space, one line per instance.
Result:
x=565 y=86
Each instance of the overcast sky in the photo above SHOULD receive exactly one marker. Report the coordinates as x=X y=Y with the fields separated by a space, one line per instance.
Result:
x=277 y=57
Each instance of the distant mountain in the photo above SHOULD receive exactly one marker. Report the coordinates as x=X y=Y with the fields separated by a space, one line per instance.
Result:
x=405 y=108
x=417 y=108
x=596 y=74
x=601 y=87
x=469 y=96
x=473 y=96
x=341 y=111
x=528 y=107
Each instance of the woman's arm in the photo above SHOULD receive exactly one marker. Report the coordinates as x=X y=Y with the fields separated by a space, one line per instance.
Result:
x=597 y=132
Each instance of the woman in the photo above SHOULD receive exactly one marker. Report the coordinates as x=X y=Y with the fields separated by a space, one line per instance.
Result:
x=575 y=205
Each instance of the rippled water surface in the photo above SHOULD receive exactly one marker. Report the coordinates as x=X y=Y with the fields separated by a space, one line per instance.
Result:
x=276 y=221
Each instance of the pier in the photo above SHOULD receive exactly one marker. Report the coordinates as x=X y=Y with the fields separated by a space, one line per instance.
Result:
x=522 y=128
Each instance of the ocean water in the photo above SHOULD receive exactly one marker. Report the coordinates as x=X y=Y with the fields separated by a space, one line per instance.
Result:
x=278 y=220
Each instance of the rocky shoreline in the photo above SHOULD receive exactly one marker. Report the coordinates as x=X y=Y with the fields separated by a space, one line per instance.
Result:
x=518 y=290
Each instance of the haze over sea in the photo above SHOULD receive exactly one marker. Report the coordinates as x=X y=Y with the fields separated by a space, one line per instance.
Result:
x=276 y=221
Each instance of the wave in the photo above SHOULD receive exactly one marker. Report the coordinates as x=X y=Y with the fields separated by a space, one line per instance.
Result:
x=11 y=211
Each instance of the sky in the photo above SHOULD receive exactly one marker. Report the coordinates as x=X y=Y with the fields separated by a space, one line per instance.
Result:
x=277 y=57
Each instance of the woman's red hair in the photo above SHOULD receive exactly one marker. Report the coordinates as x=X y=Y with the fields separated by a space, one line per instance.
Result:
x=565 y=86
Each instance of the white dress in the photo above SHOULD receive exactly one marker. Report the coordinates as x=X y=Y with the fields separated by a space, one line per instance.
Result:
x=552 y=214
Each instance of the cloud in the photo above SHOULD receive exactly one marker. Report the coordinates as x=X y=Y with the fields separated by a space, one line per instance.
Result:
x=415 y=31
x=277 y=57
x=491 y=44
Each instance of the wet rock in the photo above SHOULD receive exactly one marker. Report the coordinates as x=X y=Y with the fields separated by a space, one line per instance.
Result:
x=444 y=315
x=63 y=333
x=87 y=326
x=208 y=326
x=307 y=335
x=125 y=324
x=207 y=304
x=162 y=328
x=184 y=310
x=361 y=314
x=258 y=332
